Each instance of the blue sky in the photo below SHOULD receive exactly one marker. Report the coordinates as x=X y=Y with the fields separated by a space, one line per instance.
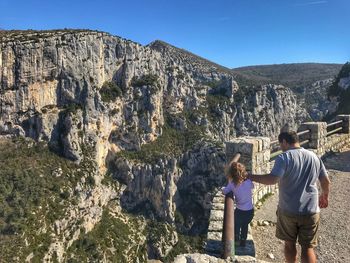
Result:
x=229 y=32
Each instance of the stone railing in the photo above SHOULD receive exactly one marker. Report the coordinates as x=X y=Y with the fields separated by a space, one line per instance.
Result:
x=258 y=153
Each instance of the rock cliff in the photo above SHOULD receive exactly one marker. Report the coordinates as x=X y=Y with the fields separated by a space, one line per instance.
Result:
x=339 y=92
x=153 y=118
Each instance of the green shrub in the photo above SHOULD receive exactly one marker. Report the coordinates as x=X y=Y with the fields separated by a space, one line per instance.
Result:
x=145 y=80
x=90 y=180
x=171 y=143
x=73 y=108
x=110 y=91
x=186 y=244
x=31 y=196
x=112 y=239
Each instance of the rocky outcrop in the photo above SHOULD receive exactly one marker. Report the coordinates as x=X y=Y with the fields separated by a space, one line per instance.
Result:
x=48 y=75
x=173 y=187
x=339 y=92
x=87 y=212
x=88 y=93
x=314 y=99
x=267 y=104
x=198 y=258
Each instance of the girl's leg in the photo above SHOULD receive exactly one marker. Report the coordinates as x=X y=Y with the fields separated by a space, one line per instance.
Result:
x=246 y=218
x=237 y=224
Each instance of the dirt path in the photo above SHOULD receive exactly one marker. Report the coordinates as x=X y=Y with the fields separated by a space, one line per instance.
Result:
x=334 y=235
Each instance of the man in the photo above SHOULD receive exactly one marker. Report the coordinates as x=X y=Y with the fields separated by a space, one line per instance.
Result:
x=296 y=171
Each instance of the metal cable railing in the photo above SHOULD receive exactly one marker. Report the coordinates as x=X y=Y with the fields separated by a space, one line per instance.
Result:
x=299 y=133
x=334 y=131
x=276 y=153
x=334 y=123
x=330 y=132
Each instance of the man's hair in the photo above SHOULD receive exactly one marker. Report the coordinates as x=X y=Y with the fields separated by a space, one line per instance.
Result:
x=290 y=137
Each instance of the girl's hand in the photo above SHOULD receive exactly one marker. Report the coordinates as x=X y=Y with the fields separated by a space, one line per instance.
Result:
x=222 y=190
x=249 y=176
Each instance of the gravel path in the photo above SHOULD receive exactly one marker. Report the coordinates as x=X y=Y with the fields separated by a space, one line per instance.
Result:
x=334 y=234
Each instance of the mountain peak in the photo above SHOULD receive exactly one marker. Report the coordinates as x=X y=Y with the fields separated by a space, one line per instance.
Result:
x=187 y=56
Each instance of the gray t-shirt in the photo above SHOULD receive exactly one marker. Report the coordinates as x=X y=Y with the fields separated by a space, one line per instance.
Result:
x=299 y=170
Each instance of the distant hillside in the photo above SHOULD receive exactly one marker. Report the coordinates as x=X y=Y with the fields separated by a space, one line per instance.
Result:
x=187 y=56
x=291 y=75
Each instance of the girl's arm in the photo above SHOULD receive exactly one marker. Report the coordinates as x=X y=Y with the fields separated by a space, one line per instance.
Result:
x=228 y=188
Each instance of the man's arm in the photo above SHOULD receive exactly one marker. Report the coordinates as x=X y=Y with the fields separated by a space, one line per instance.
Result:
x=272 y=178
x=267 y=179
x=325 y=185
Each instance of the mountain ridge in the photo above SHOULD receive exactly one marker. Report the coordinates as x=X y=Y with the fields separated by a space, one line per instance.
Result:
x=288 y=74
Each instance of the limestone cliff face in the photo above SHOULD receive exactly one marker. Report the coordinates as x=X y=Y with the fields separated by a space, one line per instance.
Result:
x=268 y=104
x=339 y=92
x=45 y=75
x=42 y=77
x=88 y=92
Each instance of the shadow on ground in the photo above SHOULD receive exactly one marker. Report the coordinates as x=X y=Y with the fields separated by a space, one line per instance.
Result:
x=338 y=161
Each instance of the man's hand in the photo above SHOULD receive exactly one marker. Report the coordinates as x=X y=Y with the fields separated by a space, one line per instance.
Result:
x=323 y=200
x=325 y=185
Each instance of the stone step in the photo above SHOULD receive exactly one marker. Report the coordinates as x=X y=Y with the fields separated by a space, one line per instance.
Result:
x=214 y=241
x=213 y=247
x=215 y=226
x=218 y=206
x=214 y=235
x=219 y=199
x=216 y=215
x=218 y=193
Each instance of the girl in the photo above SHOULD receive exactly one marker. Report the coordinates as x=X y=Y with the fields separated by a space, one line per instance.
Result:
x=242 y=189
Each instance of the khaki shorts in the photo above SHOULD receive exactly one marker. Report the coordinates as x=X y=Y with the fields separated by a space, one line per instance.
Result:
x=301 y=227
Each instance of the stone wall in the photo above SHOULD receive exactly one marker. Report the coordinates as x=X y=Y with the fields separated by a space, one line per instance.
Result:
x=256 y=151
x=321 y=140
x=255 y=155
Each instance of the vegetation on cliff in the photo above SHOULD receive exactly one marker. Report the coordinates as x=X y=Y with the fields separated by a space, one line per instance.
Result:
x=35 y=189
x=343 y=94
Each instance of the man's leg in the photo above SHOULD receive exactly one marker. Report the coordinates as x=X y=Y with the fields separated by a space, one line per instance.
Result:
x=308 y=237
x=308 y=255
x=290 y=251
x=287 y=230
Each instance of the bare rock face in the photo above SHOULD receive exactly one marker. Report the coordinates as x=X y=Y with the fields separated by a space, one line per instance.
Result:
x=89 y=93
x=62 y=69
x=161 y=243
x=268 y=104
x=149 y=186
x=314 y=99
x=339 y=92
x=43 y=77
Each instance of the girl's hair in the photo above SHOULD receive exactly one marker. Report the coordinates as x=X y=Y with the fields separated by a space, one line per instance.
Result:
x=236 y=171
